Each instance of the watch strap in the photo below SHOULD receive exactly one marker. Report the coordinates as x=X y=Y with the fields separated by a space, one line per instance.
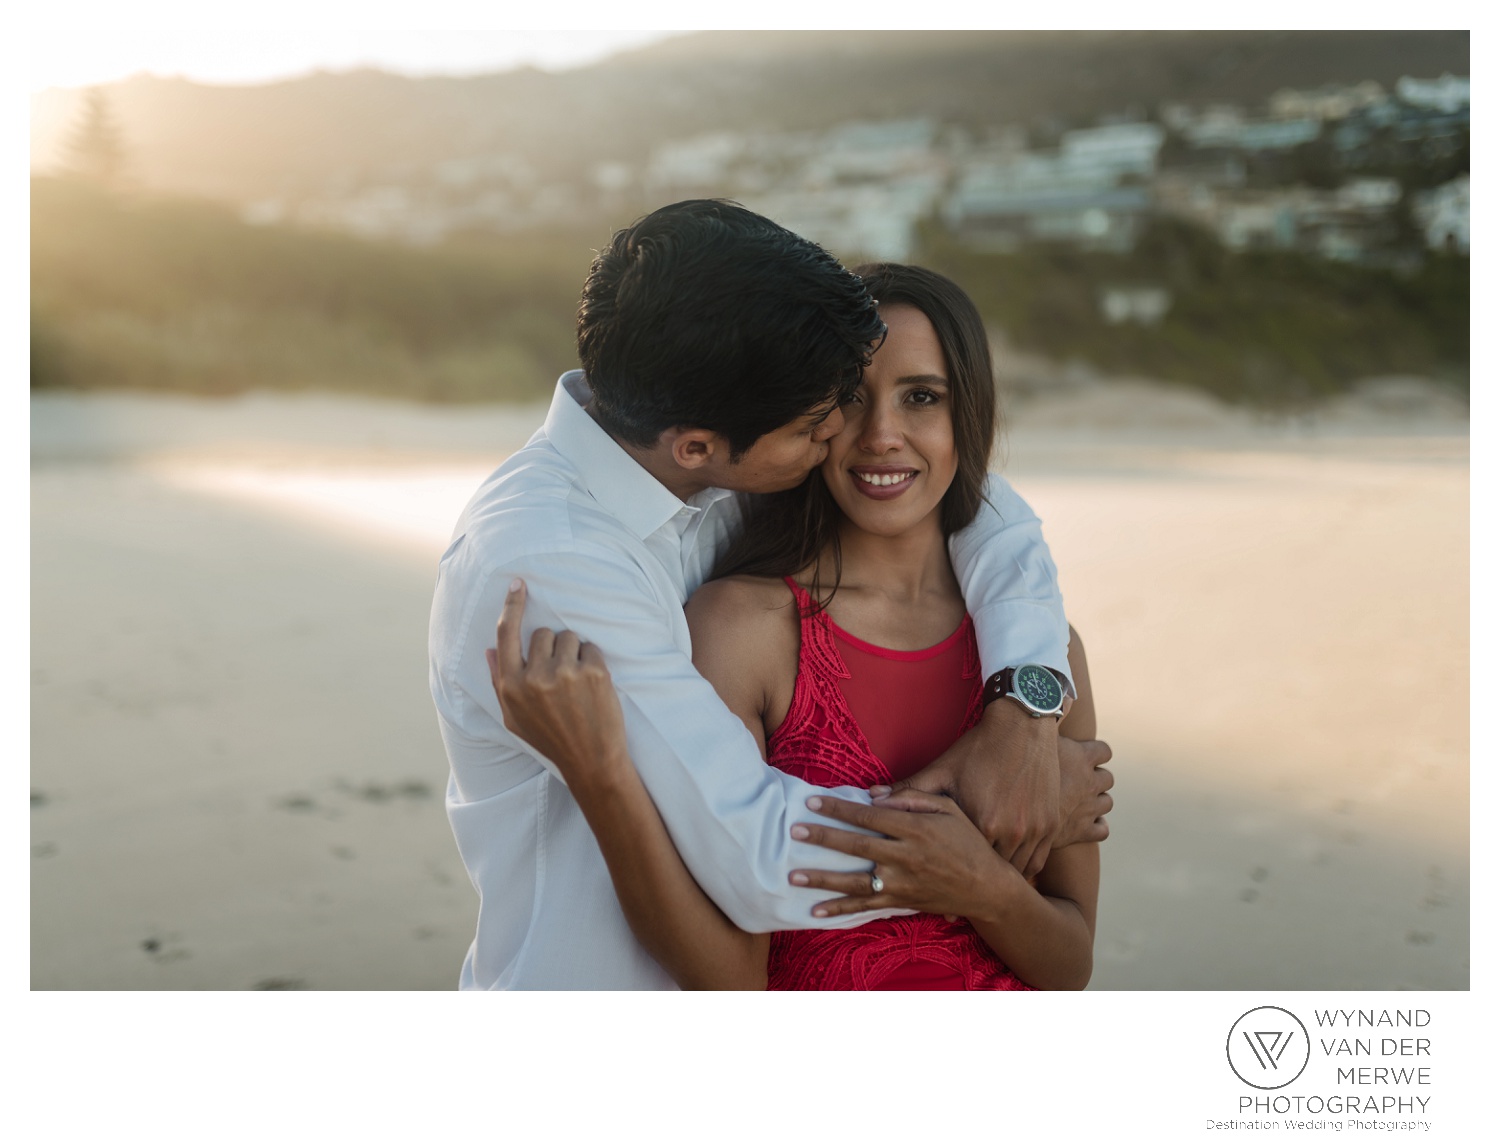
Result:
x=998 y=684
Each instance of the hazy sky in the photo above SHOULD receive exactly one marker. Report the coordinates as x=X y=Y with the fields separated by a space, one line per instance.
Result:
x=75 y=58
x=79 y=42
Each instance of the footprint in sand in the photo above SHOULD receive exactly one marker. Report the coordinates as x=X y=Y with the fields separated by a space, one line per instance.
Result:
x=163 y=949
x=1437 y=889
x=376 y=793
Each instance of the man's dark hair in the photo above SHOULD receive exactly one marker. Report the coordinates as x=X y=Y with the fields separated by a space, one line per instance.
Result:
x=705 y=315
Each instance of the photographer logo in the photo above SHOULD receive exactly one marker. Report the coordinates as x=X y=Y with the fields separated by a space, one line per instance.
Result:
x=1268 y=1047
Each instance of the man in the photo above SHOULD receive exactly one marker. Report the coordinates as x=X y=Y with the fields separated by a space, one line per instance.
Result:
x=717 y=349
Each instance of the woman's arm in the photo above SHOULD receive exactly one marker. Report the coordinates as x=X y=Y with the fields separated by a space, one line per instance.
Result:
x=1045 y=934
x=668 y=912
x=1057 y=945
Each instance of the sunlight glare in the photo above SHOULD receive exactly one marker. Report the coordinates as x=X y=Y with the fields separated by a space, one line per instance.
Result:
x=76 y=59
x=406 y=506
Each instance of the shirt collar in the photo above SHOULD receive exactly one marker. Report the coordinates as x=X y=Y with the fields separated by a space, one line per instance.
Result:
x=618 y=484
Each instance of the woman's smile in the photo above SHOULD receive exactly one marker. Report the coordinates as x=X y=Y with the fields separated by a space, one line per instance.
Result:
x=879 y=482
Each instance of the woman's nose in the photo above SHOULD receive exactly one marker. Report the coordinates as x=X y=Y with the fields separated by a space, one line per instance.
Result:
x=879 y=433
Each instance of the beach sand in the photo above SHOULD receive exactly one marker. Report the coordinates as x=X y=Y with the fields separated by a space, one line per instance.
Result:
x=237 y=777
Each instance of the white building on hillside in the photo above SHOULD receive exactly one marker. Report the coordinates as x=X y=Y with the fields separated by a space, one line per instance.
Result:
x=1443 y=214
x=1217 y=125
x=1369 y=194
x=875 y=220
x=1447 y=94
x=698 y=163
x=1331 y=101
x=861 y=151
x=1277 y=134
x=1140 y=304
x=1125 y=148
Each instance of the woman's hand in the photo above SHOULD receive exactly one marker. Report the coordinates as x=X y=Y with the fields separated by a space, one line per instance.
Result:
x=559 y=699
x=929 y=857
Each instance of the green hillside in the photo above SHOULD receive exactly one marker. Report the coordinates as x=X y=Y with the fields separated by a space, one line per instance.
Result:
x=1270 y=329
x=183 y=296
x=175 y=295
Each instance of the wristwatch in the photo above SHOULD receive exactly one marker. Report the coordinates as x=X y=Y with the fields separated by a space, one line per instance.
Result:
x=1035 y=687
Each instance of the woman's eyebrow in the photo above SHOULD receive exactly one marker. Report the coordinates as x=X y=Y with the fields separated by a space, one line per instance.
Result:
x=924 y=378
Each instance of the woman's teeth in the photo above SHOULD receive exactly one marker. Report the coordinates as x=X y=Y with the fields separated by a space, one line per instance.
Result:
x=886 y=480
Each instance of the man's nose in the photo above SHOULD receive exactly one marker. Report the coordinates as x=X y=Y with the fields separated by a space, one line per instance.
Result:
x=830 y=427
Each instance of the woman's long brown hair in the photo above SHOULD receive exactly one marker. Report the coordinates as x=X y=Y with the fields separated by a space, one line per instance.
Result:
x=786 y=531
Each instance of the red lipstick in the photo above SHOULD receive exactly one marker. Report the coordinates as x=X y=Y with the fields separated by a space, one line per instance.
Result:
x=882 y=481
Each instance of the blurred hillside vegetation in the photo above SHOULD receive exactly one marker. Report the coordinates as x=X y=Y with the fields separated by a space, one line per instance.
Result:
x=1139 y=202
x=1275 y=330
x=183 y=296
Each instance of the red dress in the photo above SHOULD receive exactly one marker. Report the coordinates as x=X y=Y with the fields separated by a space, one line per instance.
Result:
x=863 y=715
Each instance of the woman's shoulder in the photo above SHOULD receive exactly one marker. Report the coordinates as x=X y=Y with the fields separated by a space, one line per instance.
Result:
x=740 y=598
x=746 y=619
x=746 y=641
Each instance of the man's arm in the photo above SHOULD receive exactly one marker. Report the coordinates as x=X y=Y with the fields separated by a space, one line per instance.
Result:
x=728 y=813
x=1010 y=586
x=1004 y=772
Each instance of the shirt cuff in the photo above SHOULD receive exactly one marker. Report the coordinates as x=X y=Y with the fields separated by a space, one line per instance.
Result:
x=1016 y=631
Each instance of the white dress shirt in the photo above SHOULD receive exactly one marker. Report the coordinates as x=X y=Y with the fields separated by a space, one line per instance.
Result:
x=611 y=554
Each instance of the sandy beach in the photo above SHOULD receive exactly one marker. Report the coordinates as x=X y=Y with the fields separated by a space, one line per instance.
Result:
x=237 y=778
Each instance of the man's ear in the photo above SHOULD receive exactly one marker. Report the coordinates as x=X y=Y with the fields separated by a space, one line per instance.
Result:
x=693 y=449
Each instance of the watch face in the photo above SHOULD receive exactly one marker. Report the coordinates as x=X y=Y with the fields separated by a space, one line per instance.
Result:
x=1038 y=687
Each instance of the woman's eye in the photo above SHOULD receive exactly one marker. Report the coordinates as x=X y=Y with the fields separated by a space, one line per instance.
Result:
x=924 y=396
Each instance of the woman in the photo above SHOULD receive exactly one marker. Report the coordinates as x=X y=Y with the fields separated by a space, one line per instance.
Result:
x=835 y=629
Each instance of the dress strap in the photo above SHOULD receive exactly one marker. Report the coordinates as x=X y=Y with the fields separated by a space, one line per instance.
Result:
x=805 y=604
x=819 y=653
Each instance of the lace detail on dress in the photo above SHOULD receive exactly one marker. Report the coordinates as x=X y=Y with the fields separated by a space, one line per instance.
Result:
x=865 y=958
x=820 y=741
x=971 y=671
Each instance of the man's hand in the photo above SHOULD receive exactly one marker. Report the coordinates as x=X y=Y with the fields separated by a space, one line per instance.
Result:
x=560 y=699
x=928 y=855
x=999 y=771
x=1004 y=775
x=1085 y=789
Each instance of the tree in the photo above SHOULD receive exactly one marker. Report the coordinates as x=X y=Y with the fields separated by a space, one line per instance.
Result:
x=96 y=148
